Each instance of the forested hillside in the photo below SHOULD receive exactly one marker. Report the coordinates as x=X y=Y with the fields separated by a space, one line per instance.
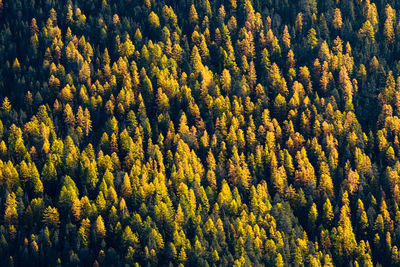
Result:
x=199 y=133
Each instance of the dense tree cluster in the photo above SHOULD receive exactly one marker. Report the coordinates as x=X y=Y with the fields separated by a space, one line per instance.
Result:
x=233 y=133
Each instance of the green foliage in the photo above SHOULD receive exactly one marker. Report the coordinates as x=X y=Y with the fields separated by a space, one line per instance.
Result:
x=241 y=133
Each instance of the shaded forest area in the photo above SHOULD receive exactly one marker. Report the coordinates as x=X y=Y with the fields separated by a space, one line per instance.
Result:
x=203 y=133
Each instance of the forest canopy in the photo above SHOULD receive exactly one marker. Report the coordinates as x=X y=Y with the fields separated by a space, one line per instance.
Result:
x=199 y=133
